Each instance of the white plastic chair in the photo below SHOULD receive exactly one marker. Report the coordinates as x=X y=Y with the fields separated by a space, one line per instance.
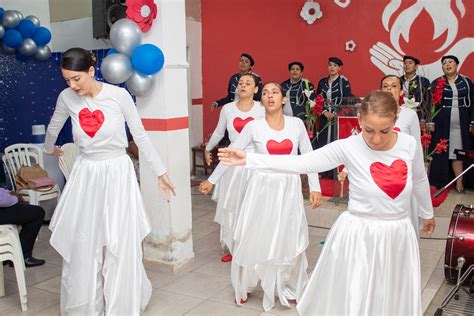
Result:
x=67 y=159
x=10 y=249
x=27 y=155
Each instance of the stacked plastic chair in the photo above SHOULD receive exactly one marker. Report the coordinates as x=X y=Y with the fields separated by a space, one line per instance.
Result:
x=10 y=249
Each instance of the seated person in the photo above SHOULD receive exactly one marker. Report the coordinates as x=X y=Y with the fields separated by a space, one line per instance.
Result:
x=30 y=217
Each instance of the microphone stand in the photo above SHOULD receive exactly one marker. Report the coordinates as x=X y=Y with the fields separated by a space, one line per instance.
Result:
x=452 y=181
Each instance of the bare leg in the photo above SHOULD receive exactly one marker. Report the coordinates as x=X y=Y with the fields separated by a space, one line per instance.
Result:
x=458 y=169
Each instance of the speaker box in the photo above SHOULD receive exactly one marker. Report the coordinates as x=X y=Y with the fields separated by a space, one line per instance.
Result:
x=104 y=14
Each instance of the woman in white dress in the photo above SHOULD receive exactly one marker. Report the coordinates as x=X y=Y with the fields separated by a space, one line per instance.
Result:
x=100 y=221
x=230 y=184
x=271 y=232
x=408 y=123
x=370 y=262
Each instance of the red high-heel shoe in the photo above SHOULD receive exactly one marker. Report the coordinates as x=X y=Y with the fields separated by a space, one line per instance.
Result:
x=242 y=301
x=226 y=258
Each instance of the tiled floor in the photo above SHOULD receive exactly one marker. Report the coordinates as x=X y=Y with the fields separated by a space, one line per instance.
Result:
x=204 y=288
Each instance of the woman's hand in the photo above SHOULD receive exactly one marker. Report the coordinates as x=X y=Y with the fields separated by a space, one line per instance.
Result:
x=315 y=199
x=208 y=157
x=166 y=187
x=232 y=156
x=341 y=176
x=428 y=226
x=328 y=115
x=205 y=187
x=57 y=152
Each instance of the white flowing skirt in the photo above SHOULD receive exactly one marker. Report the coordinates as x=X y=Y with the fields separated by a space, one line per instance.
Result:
x=228 y=194
x=270 y=239
x=98 y=227
x=368 y=266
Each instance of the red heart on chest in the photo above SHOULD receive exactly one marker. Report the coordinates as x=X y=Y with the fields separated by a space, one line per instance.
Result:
x=239 y=123
x=390 y=179
x=279 y=148
x=91 y=121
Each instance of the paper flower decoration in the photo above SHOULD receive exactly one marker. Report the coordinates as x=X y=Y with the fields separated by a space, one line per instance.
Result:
x=342 y=3
x=142 y=12
x=350 y=45
x=311 y=11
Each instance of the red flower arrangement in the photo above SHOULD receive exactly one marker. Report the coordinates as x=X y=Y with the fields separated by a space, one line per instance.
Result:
x=318 y=105
x=437 y=97
x=441 y=146
x=142 y=12
x=314 y=110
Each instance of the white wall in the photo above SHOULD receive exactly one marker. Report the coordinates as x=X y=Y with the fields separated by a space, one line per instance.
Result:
x=75 y=33
x=194 y=44
x=38 y=8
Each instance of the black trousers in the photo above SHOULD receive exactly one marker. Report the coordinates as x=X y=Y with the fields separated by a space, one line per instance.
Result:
x=30 y=217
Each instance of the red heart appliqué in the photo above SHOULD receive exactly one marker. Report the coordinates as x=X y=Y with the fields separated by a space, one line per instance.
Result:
x=390 y=179
x=91 y=121
x=239 y=123
x=397 y=129
x=279 y=148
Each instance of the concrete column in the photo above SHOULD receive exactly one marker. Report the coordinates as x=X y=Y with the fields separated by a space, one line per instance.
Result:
x=165 y=116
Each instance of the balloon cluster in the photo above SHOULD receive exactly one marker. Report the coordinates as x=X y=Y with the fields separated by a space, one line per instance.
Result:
x=130 y=61
x=23 y=37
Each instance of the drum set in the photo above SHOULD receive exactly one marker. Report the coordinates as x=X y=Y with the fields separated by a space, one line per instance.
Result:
x=459 y=252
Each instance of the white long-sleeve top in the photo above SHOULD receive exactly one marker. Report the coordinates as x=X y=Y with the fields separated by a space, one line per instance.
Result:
x=268 y=141
x=98 y=125
x=408 y=123
x=234 y=120
x=381 y=182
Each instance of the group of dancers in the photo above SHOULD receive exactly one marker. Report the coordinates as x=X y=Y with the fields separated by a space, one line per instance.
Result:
x=370 y=261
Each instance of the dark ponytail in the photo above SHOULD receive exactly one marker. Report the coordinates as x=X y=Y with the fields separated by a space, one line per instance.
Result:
x=77 y=59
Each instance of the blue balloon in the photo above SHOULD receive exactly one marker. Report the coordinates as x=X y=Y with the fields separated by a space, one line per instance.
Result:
x=21 y=57
x=26 y=28
x=42 y=36
x=147 y=59
x=12 y=38
x=1 y=13
x=112 y=51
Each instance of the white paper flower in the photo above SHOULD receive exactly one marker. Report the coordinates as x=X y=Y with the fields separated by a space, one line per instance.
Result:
x=311 y=11
x=307 y=92
x=410 y=103
x=350 y=45
x=312 y=103
x=342 y=3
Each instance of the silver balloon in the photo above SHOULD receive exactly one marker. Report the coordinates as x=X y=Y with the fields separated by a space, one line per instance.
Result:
x=28 y=48
x=34 y=19
x=8 y=50
x=140 y=85
x=43 y=53
x=125 y=36
x=2 y=31
x=11 y=18
x=116 y=68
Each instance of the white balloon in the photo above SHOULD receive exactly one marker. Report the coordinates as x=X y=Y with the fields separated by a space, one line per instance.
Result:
x=8 y=50
x=125 y=36
x=43 y=53
x=28 y=48
x=11 y=18
x=140 y=85
x=34 y=19
x=116 y=68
